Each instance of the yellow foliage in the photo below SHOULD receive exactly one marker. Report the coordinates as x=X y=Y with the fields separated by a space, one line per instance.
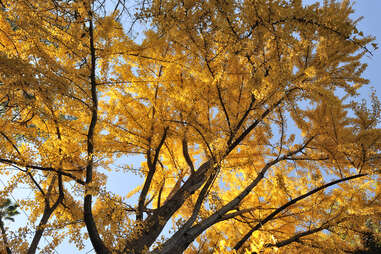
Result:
x=238 y=118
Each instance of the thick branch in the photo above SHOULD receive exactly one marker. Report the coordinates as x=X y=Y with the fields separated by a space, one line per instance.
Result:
x=203 y=193
x=151 y=172
x=178 y=243
x=186 y=155
x=48 y=211
x=156 y=221
x=40 y=229
x=95 y=239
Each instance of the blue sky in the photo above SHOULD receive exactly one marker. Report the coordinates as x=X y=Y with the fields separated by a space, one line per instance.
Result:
x=370 y=25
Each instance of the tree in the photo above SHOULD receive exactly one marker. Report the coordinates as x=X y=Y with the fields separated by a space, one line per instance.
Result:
x=246 y=113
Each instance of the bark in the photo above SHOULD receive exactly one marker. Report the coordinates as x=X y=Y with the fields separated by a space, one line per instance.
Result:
x=40 y=230
x=155 y=222
x=95 y=239
x=152 y=170
x=48 y=211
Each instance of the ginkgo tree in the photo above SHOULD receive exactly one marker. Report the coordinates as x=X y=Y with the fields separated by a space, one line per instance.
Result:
x=246 y=114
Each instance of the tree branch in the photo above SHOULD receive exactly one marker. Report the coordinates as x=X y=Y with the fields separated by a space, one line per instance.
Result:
x=186 y=155
x=296 y=238
x=242 y=120
x=156 y=221
x=16 y=164
x=256 y=122
x=291 y=202
x=95 y=239
x=151 y=172
x=180 y=241
x=224 y=108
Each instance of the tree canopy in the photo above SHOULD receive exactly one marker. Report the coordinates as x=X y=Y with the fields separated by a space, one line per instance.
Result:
x=246 y=114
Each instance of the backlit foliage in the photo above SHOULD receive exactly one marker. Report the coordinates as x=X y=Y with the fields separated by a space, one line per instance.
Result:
x=243 y=118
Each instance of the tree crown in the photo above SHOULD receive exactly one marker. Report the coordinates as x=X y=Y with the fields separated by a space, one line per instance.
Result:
x=244 y=114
